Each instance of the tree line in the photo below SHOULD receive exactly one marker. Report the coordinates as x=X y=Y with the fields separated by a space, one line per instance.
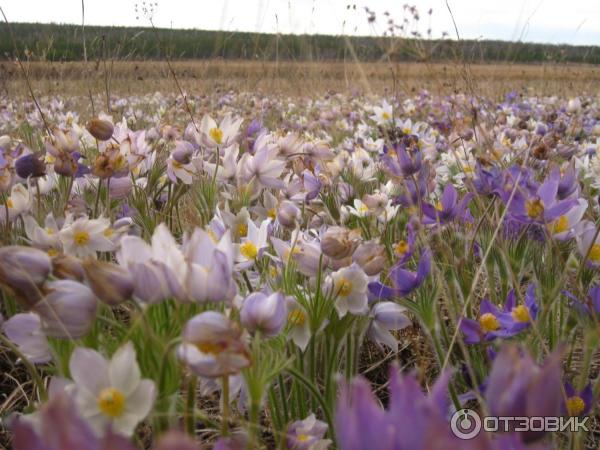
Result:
x=59 y=42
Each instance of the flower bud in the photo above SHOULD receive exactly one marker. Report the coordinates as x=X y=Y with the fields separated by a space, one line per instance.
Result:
x=68 y=310
x=110 y=283
x=266 y=314
x=65 y=165
x=183 y=152
x=24 y=270
x=100 y=129
x=30 y=166
x=371 y=257
x=68 y=268
x=338 y=242
x=288 y=214
x=120 y=187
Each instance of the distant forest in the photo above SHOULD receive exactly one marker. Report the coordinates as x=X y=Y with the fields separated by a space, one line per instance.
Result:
x=58 y=42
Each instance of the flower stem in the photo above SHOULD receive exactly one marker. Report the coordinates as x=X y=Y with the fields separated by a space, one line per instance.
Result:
x=190 y=423
x=225 y=412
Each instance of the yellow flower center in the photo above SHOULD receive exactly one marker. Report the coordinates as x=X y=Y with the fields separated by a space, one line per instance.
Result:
x=343 y=287
x=108 y=232
x=439 y=206
x=595 y=253
x=386 y=115
x=52 y=252
x=111 y=402
x=520 y=314
x=81 y=237
x=176 y=164
x=401 y=247
x=249 y=250
x=534 y=208
x=213 y=348
x=216 y=135
x=272 y=213
x=575 y=406
x=10 y=203
x=242 y=229
x=304 y=437
x=363 y=209
x=296 y=318
x=489 y=322
x=49 y=231
x=560 y=225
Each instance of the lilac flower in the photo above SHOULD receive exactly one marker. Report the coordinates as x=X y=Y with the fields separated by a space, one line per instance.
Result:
x=448 y=208
x=264 y=313
x=213 y=346
x=403 y=281
x=25 y=330
x=577 y=403
x=307 y=434
x=68 y=310
x=387 y=316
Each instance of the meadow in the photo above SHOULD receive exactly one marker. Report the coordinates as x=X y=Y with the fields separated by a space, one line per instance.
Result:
x=238 y=254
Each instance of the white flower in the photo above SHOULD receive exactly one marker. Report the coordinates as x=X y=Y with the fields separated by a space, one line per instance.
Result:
x=45 y=238
x=85 y=237
x=382 y=114
x=349 y=286
x=19 y=201
x=253 y=244
x=359 y=210
x=298 y=323
x=222 y=135
x=110 y=392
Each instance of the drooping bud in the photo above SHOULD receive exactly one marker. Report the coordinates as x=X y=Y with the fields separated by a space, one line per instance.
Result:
x=100 y=129
x=68 y=268
x=371 y=257
x=112 y=284
x=24 y=270
x=339 y=243
x=68 y=310
x=288 y=214
x=31 y=165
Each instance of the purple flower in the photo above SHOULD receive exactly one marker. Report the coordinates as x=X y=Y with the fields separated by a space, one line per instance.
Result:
x=542 y=206
x=449 y=207
x=590 y=305
x=402 y=163
x=577 y=403
x=413 y=420
x=518 y=387
x=515 y=318
x=403 y=281
x=494 y=323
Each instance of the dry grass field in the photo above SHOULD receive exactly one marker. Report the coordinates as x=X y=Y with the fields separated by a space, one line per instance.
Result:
x=297 y=78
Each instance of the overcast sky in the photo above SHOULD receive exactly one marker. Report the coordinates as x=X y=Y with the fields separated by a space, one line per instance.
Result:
x=556 y=21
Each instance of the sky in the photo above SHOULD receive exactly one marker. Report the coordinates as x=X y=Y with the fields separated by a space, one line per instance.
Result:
x=553 y=21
